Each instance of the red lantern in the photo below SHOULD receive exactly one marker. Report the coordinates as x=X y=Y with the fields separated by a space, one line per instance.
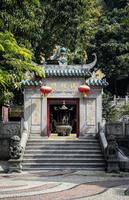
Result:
x=84 y=90
x=45 y=90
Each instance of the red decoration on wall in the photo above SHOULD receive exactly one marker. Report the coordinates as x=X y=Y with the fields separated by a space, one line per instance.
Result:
x=5 y=113
x=45 y=90
x=84 y=90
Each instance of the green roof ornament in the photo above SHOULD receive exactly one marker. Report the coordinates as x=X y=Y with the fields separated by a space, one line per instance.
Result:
x=63 y=57
x=62 y=50
x=59 y=56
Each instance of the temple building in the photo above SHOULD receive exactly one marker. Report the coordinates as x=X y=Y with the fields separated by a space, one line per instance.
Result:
x=62 y=115
x=67 y=101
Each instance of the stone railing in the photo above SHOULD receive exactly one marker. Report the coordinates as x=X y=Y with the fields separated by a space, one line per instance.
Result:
x=8 y=130
x=17 y=148
x=111 y=137
x=110 y=150
x=119 y=129
x=119 y=101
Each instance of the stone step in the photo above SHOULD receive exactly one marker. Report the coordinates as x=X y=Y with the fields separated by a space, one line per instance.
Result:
x=39 y=169
x=45 y=154
x=62 y=151
x=63 y=160
x=59 y=138
x=62 y=145
x=72 y=134
x=35 y=142
x=59 y=148
x=85 y=156
x=63 y=165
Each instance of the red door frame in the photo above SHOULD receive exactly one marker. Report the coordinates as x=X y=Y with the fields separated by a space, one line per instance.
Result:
x=74 y=101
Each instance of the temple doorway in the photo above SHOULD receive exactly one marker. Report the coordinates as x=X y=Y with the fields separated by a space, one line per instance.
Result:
x=63 y=117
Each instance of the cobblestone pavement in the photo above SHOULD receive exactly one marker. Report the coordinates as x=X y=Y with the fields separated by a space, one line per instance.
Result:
x=63 y=185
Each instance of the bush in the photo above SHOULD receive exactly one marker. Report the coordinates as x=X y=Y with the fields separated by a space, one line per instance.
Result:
x=124 y=110
x=110 y=112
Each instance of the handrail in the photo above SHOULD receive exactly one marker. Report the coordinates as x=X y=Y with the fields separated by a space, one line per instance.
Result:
x=102 y=139
x=24 y=138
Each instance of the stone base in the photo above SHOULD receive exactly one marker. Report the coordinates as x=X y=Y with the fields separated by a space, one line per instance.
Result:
x=127 y=192
x=4 y=166
x=113 y=166
x=15 y=166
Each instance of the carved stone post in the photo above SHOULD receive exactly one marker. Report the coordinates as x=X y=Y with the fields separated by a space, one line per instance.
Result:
x=112 y=155
x=15 y=154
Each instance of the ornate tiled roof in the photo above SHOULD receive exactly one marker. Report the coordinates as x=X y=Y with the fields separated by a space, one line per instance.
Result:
x=70 y=70
x=90 y=82
x=67 y=72
x=78 y=71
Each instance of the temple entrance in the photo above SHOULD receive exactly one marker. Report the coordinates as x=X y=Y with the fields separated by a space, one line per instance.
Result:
x=63 y=117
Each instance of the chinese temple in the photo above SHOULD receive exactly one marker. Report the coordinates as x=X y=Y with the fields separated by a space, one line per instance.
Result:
x=67 y=101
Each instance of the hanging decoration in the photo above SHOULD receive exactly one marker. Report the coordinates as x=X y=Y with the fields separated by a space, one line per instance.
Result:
x=84 y=90
x=45 y=90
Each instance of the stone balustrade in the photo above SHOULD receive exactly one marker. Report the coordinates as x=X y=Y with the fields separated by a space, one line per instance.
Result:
x=7 y=130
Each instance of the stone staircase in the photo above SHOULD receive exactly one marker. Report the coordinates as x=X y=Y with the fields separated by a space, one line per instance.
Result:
x=80 y=154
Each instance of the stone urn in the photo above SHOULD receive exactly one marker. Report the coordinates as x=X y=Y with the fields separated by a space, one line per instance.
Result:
x=63 y=130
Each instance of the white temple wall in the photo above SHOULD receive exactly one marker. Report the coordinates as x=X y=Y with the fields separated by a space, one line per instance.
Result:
x=35 y=105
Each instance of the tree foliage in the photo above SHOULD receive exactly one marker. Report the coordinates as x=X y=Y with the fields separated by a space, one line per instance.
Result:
x=89 y=23
x=69 y=23
x=15 y=62
x=23 y=19
x=112 y=39
x=101 y=26
x=40 y=24
x=110 y=112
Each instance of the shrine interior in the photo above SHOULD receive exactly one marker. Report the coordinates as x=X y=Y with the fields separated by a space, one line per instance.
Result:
x=64 y=114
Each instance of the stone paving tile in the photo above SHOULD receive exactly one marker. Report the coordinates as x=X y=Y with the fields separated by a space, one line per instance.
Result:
x=11 y=187
x=116 y=193
x=77 y=192
x=62 y=185
x=32 y=189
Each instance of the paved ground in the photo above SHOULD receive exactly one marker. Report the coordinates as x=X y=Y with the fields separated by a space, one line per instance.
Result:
x=63 y=185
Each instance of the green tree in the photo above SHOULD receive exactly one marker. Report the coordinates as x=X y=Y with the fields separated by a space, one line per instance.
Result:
x=112 y=40
x=15 y=62
x=111 y=4
x=69 y=23
x=23 y=19
x=124 y=110
x=89 y=23
x=110 y=112
x=40 y=24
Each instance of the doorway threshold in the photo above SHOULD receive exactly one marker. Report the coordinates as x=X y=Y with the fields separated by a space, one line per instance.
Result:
x=56 y=137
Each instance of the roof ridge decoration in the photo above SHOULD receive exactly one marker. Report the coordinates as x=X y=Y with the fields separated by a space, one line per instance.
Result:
x=89 y=82
x=83 y=70
x=76 y=66
x=92 y=64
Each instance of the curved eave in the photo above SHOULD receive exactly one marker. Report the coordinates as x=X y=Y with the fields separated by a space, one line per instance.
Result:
x=31 y=83
x=96 y=82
